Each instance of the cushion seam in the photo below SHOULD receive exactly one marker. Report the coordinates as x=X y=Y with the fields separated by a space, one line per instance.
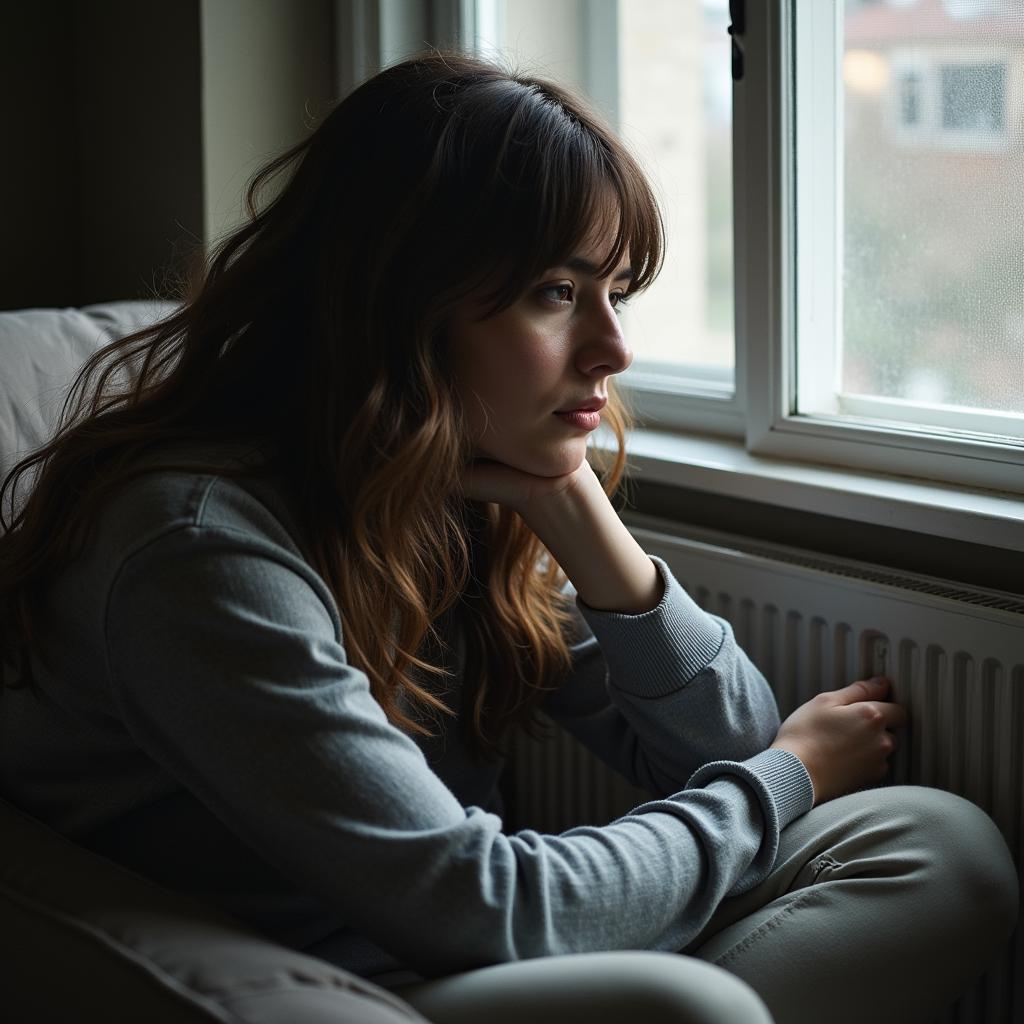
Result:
x=167 y=982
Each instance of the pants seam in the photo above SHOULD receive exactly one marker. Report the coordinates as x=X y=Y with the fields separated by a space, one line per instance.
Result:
x=772 y=923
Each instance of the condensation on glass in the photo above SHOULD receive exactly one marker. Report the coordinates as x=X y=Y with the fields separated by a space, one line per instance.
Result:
x=933 y=214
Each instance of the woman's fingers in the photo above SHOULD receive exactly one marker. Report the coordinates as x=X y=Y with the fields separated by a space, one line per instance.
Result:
x=490 y=480
x=864 y=689
x=872 y=693
x=894 y=715
x=844 y=737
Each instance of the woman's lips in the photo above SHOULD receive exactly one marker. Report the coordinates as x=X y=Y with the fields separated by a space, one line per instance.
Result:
x=581 y=420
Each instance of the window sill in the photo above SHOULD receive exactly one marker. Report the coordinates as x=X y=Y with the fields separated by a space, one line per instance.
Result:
x=723 y=466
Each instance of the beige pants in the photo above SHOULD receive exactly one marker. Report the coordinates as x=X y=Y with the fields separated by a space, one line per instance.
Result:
x=883 y=906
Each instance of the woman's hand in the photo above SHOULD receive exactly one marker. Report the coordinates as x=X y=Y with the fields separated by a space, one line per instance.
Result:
x=573 y=518
x=489 y=480
x=842 y=737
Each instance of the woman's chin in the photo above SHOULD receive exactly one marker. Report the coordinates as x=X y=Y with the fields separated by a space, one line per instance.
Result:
x=566 y=460
x=548 y=460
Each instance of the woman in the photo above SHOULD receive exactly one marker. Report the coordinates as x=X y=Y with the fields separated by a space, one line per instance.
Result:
x=287 y=593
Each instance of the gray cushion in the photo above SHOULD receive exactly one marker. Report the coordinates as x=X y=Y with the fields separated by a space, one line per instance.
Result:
x=40 y=352
x=83 y=940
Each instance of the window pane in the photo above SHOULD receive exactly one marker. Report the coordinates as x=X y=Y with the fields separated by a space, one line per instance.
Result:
x=675 y=108
x=932 y=208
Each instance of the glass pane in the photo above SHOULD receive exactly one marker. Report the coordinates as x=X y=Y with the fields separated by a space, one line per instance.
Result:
x=675 y=109
x=545 y=38
x=933 y=179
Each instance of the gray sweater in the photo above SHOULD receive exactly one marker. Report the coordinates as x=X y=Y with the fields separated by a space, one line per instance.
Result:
x=198 y=721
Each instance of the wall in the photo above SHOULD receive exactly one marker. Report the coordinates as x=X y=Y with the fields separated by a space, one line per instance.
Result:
x=268 y=78
x=137 y=94
x=39 y=167
x=129 y=131
x=100 y=181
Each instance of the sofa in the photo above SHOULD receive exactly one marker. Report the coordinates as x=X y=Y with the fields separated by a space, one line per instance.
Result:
x=82 y=939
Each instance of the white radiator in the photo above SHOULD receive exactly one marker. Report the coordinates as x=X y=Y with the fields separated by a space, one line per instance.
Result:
x=955 y=655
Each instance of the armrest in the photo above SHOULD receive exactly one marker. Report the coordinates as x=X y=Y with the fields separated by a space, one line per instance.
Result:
x=83 y=939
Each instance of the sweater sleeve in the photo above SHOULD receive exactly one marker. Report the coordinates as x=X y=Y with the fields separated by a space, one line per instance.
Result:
x=226 y=662
x=658 y=695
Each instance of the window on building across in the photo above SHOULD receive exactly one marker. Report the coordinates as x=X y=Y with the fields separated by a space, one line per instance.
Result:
x=972 y=97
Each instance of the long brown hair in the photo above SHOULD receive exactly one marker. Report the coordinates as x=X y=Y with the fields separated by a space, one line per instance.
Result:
x=318 y=328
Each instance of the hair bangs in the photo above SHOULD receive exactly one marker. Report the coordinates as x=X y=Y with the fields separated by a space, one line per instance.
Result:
x=567 y=180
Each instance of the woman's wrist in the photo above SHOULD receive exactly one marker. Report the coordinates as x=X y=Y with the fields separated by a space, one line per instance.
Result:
x=805 y=759
x=602 y=559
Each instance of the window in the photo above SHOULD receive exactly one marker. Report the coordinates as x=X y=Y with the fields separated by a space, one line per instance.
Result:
x=972 y=97
x=905 y=338
x=910 y=98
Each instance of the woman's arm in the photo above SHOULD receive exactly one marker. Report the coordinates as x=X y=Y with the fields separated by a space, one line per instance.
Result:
x=659 y=688
x=659 y=695
x=674 y=700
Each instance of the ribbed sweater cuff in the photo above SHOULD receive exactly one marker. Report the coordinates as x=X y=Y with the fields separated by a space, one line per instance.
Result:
x=778 y=776
x=659 y=651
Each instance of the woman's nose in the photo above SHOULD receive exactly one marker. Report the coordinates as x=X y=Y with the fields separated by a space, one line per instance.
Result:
x=604 y=345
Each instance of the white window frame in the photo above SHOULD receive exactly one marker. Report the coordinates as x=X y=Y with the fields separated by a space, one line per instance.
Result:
x=759 y=403
x=766 y=142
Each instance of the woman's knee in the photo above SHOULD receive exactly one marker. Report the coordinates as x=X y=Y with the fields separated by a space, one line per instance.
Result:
x=964 y=854
x=592 y=988
x=667 y=988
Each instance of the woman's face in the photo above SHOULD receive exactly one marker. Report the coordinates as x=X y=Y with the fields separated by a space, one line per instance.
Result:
x=554 y=349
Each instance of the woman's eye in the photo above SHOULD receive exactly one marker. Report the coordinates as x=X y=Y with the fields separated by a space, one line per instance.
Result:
x=558 y=292
x=564 y=293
